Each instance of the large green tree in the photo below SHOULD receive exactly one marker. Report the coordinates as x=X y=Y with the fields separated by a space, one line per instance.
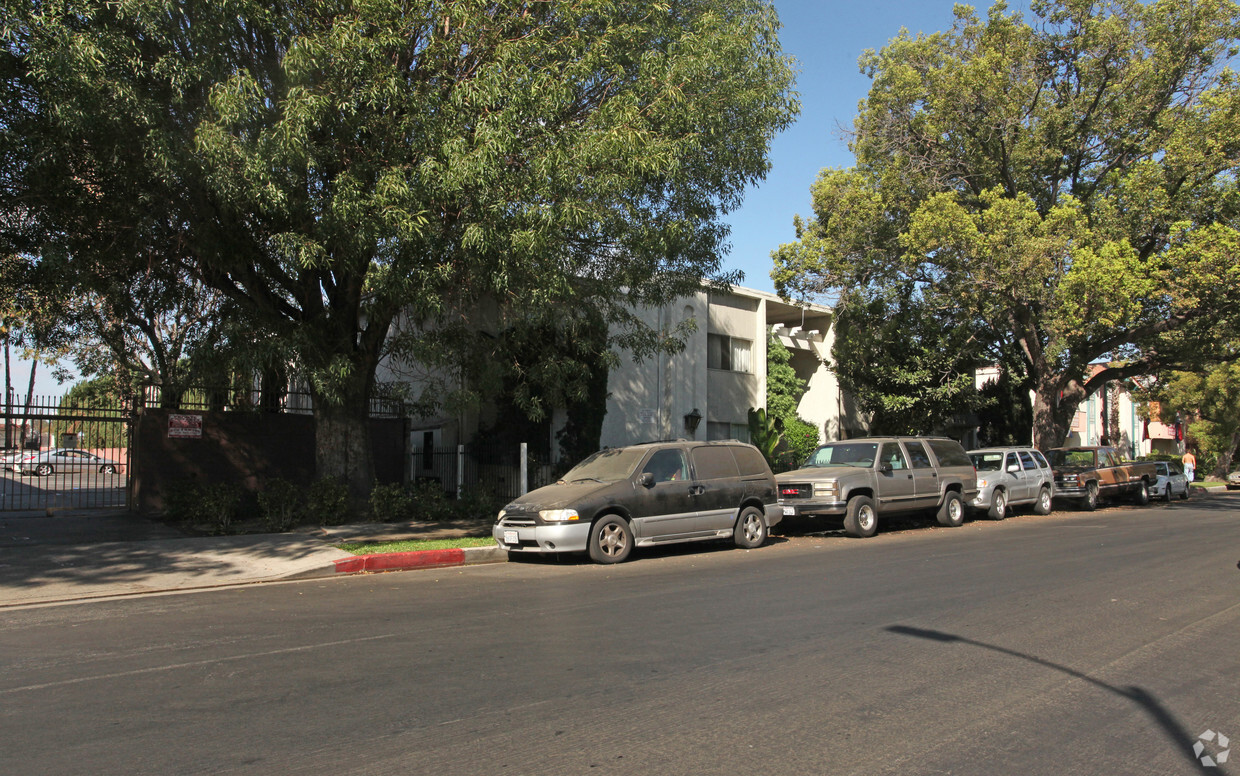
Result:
x=1210 y=398
x=359 y=176
x=1063 y=187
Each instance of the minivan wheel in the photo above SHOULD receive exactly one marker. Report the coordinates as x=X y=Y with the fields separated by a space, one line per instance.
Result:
x=951 y=513
x=611 y=540
x=860 y=519
x=998 y=505
x=1043 y=505
x=750 y=529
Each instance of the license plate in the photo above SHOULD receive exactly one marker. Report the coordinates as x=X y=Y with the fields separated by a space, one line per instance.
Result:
x=511 y=537
x=790 y=511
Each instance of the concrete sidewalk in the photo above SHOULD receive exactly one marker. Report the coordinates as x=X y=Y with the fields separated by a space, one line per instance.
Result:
x=83 y=555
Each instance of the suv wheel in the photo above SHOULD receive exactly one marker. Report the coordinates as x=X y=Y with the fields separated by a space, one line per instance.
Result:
x=611 y=540
x=951 y=513
x=998 y=505
x=1043 y=505
x=860 y=520
x=750 y=529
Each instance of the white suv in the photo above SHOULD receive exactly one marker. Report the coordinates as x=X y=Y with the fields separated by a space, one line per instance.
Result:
x=1008 y=476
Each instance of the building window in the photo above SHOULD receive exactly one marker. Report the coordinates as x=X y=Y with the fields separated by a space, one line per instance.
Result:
x=729 y=353
x=716 y=430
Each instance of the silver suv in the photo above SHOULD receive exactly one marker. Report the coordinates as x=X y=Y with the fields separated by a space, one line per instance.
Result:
x=1009 y=476
x=863 y=479
x=658 y=493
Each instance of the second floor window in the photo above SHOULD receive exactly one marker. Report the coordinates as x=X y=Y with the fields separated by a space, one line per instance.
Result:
x=730 y=353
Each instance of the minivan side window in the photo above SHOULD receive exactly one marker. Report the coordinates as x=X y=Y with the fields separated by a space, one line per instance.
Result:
x=667 y=465
x=714 y=463
x=749 y=461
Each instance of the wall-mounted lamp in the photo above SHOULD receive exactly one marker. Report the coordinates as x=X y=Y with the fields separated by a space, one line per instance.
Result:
x=692 y=419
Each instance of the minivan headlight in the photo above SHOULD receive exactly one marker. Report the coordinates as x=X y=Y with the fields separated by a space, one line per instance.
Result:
x=558 y=515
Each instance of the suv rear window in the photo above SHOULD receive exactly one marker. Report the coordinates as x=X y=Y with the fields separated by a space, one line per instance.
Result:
x=949 y=453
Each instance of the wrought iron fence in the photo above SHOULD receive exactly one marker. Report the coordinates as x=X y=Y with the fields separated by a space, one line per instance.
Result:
x=59 y=454
x=460 y=470
x=253 y=399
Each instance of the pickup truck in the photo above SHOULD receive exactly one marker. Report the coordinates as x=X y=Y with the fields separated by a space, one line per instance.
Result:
x=1089 y=474
x=864 y=479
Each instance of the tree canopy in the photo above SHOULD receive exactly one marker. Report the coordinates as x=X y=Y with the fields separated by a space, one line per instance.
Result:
x=1062 y=189
x=359 y=177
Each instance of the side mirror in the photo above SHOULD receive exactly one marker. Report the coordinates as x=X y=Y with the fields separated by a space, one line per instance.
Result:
x=1014 y=468
x=646 y=480
x=884 y=467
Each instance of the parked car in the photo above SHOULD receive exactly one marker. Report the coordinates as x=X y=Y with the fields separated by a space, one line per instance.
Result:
x=864 y=479
x=1089 y=474
x=1171 y=481
x=1012 y=476
x=656 y=493
x=1233 y=479
x=64 y=461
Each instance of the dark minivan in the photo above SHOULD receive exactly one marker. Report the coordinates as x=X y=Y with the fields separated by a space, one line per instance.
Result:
x=656 y=493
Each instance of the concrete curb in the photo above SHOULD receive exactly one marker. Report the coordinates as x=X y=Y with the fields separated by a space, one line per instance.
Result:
x=408 y=561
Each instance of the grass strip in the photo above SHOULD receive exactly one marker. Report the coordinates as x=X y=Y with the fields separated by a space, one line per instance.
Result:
x=416 y=545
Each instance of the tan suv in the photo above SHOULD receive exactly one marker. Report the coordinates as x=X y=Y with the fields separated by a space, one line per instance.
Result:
x=863 y=479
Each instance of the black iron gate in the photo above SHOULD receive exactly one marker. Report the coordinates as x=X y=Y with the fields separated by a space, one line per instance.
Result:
x=59 y=455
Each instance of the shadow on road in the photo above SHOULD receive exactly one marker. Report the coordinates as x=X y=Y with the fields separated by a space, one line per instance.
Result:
x=1147 y=702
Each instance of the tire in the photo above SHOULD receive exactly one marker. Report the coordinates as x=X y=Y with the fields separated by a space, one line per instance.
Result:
x=1090 y=502
x=750 y=530
x=107 y=469
x=861 y=519
x=1043 y=505
x=1142 y=496
x=1167 y=492
x=951 y=512
x=1184 y=495
x=998 y=505
x=44 y=469
x=611 y=540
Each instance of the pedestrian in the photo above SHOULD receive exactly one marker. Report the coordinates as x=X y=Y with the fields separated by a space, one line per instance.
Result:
x=1190 y=464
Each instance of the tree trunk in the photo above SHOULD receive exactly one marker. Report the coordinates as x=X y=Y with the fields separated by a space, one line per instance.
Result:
x=29 y=398
x=342 y=441
x=1052 y=413
x=8 y=394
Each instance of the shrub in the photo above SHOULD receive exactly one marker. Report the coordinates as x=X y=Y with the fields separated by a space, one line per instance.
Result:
x=214 y=506
x=430 y=502
x=217 y=506
x=281 y=504
x=328 y=502
x=391 y=503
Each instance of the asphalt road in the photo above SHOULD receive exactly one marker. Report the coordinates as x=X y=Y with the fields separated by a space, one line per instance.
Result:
x=1078 y=643
x=62 y=490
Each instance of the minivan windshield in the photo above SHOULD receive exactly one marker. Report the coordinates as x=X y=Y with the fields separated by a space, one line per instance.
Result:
x=606 y=466
x=859 y=454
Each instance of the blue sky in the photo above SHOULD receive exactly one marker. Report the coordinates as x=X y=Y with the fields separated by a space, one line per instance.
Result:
x=826 y=38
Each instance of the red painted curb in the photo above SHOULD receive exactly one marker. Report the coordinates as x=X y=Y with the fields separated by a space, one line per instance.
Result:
x=399 y=561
